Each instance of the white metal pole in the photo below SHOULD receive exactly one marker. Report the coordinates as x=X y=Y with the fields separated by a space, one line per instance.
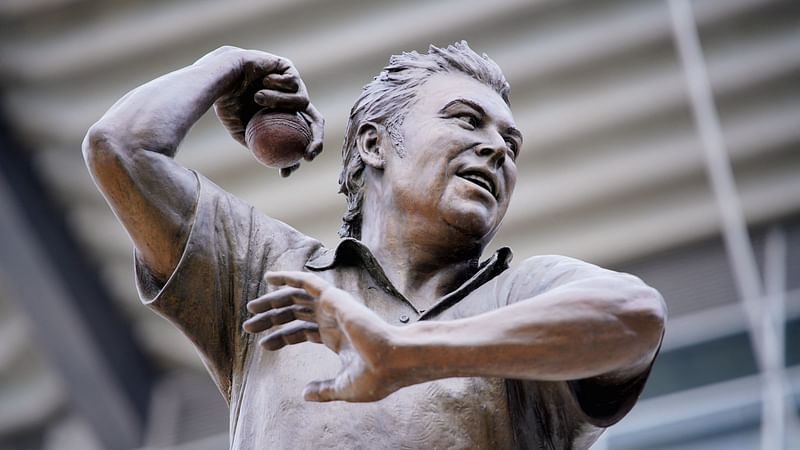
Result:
x=773 y=408
x=782 y=425
x=734 y=227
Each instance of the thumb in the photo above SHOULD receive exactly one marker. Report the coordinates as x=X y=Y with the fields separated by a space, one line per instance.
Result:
x=320 y=391
x=286 y=171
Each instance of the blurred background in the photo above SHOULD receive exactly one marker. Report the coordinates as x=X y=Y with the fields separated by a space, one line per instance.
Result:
x=695 y=191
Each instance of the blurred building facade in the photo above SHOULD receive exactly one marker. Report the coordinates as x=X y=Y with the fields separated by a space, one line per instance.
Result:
x=613 y=171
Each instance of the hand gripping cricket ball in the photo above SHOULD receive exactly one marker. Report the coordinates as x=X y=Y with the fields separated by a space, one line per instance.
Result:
x=278 y=139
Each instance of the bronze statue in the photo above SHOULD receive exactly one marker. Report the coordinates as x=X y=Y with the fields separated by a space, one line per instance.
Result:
x=428 y=346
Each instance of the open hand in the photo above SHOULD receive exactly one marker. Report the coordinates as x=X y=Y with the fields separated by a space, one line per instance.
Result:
x=316 y=311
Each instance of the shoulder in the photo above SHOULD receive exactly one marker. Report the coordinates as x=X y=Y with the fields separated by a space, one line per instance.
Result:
x=538 y=274
x=243 y=225
x=555 y=264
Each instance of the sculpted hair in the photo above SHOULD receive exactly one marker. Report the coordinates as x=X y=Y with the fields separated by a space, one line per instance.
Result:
x=387 y=98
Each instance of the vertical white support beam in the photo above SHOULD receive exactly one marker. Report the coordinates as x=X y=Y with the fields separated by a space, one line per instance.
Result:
x=718 y=168
x=766 y=344
x=773 y=406
x=781 y=424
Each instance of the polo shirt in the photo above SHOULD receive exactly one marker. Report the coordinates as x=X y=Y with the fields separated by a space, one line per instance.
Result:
x=229 y=248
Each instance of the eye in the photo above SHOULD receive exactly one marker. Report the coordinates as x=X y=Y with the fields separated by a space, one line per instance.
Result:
x=512 y=147
x=468 y=118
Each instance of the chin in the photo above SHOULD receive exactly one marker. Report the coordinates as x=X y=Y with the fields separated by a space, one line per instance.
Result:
x=477 y=226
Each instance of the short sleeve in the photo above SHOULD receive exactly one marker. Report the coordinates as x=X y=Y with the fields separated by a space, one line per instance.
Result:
x=229 y=247
x=596 y=402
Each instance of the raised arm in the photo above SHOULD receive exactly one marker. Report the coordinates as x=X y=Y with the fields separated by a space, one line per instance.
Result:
x=606 y=323
x=129 y=150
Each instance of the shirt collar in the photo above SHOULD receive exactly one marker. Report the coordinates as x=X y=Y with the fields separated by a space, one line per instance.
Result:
x=351 y=251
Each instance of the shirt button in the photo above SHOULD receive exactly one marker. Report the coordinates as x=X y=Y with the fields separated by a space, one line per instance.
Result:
x=403 y=318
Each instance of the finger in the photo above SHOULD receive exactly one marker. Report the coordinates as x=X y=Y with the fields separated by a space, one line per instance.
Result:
x=266 y=320
x=309 y=282
x=317 y=123
x=280 y=298
x=300 y=93
x=290 y=71
x=284 y=65
x=227 y=112
x=292 y=334
x=273 y=99
x=320 y=391
x=260 y=64
x=286 y=171
x=281 y=81
x=254 y=71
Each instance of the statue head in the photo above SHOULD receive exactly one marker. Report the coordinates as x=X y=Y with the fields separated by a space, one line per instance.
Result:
x=387 y=99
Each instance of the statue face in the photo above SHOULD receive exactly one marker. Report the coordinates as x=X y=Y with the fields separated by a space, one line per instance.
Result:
x=460 y=170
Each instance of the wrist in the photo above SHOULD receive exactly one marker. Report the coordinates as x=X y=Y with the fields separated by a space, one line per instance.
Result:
x=222 y=71
x=407 y=356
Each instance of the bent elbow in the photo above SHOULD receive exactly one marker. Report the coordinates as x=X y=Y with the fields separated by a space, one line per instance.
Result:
x=102 y=151
x=653 y=305
x=96 y=143
x=647 y=316
x=654 y=311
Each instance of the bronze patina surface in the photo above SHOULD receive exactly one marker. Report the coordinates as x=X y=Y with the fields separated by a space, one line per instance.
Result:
x=399 y=337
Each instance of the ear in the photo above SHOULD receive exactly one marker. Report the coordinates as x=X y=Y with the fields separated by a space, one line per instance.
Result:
x=370 y=142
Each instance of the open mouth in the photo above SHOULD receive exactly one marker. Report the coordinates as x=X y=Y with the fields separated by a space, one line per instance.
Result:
x=481 y=180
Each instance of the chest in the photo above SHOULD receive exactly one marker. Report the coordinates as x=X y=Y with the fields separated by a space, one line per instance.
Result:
x=268 y=410
x=449 y=413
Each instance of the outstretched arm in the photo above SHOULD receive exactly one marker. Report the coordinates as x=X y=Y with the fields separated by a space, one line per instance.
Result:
x=606 y=324
x=129 y=150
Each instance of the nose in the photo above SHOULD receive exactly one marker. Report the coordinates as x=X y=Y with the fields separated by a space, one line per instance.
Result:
x=494 y=149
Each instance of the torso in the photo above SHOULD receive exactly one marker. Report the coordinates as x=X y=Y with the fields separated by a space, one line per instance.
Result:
x=455 y=413
x=229 y=249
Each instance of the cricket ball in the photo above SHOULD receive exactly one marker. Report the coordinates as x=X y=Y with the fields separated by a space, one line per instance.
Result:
x=278 y=139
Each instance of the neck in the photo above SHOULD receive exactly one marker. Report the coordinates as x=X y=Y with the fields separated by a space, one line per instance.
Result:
x=423 y=261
